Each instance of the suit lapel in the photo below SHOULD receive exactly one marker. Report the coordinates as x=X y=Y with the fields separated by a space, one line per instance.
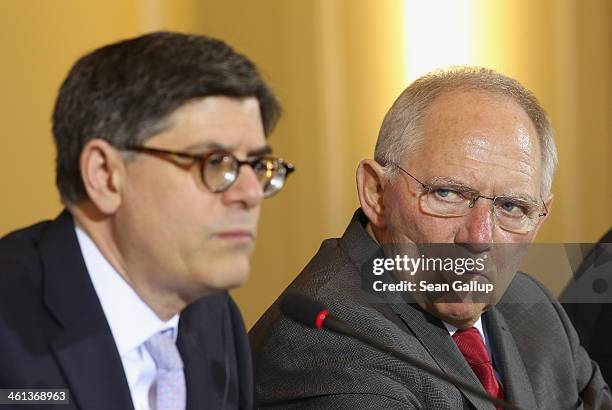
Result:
x=207 y=346
x=430 y=331
x=508 y=361
x=90 y=362
x=84 y=347
x=435 y=339
x=196 y=365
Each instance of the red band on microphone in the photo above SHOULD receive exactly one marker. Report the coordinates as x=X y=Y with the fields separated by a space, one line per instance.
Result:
x=321 y=318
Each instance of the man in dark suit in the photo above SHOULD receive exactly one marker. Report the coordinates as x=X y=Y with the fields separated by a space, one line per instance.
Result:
x=587 y=301
x=465 y=158
x=162 y=164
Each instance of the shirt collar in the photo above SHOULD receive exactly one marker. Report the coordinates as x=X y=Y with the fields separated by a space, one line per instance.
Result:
x=131 y=320
x=478 y=325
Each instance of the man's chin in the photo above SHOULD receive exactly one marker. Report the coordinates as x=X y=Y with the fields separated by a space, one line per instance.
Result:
x=237 y=280
x=460 y=315
x=230 y=279
x=226 y=274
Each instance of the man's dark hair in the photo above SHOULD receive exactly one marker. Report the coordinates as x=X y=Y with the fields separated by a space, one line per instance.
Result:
x=124 y=92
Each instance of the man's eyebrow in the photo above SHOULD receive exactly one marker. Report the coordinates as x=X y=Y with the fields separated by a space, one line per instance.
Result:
x=521 y=196
x=454 y=182
x=258 y=152
x=211 y=146
x=208 y=146
x=449 y=181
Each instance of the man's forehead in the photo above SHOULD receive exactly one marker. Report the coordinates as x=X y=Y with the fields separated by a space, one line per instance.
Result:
x=217 y=122
x=479 y=121
x=215 y=109
x=475 y=136
x=257 y=149
x=470 y=106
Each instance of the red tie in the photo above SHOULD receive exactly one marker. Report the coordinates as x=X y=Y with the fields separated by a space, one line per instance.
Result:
x=472 y=347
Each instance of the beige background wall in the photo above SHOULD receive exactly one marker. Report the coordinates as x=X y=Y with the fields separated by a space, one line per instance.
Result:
x=337 y=66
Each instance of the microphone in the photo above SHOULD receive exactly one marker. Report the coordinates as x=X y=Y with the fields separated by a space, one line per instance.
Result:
x=312 y=313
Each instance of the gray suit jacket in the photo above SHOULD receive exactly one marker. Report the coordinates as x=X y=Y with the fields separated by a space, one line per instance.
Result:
x=535 y=348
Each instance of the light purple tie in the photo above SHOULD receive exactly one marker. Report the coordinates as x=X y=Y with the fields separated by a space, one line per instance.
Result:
x=170 y=379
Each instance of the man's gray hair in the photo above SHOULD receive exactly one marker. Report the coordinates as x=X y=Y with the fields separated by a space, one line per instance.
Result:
x=399 y=133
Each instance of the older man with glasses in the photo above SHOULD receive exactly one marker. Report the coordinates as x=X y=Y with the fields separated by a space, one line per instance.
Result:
x=162 y=164
x=463 y=167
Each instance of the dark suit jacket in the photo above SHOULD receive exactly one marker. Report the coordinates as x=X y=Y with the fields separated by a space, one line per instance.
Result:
x=535 y=347
x=593 y=321
x=53 y=332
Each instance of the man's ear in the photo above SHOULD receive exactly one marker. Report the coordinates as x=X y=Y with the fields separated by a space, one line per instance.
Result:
x=548 y=201
x=370 y=187
x=102 y=171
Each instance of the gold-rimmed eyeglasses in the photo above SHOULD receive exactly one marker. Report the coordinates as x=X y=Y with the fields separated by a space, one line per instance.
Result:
x=444 y=198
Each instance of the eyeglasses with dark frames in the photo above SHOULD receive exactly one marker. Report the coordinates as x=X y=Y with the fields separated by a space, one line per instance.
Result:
x=219 y=169
x=514 y=214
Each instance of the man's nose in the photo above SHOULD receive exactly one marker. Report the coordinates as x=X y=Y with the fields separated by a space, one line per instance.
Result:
x=246 y=189
x=478 y=228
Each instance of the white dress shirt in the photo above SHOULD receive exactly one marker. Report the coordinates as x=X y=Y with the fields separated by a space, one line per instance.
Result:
x=478 y=325
x=132 y=322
